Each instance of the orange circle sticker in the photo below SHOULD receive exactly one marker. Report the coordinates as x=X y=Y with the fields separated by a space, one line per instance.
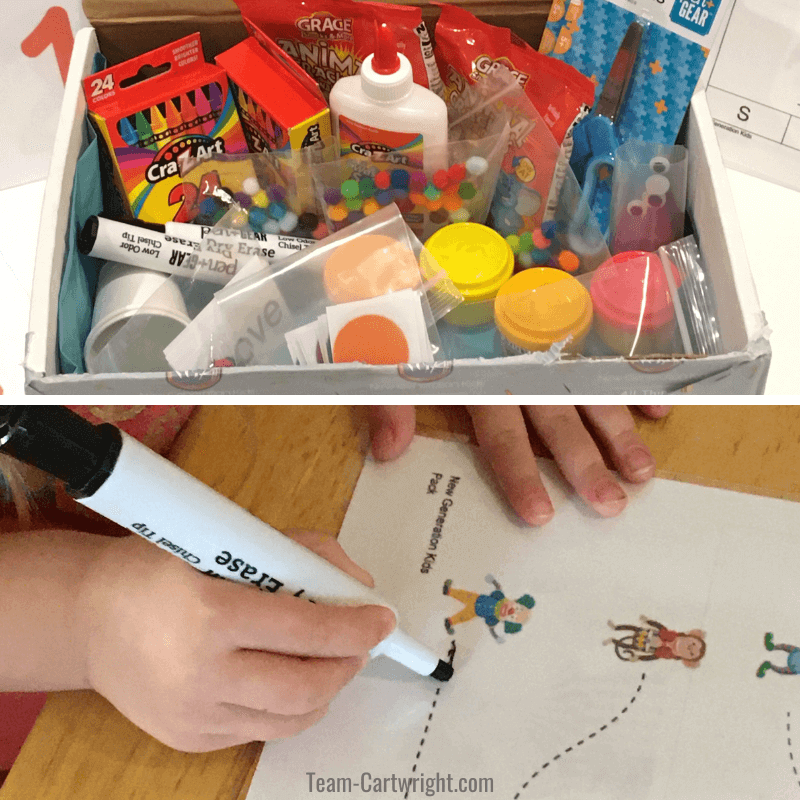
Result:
x=373 y=339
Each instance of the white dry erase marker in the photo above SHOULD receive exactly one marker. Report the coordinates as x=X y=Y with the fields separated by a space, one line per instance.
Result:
x=113 y=474
x=177 y=248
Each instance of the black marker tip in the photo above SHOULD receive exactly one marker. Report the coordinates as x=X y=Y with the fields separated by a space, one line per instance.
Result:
x=443 y=671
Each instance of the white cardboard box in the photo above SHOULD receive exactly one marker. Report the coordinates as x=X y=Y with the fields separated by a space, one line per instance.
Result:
x=742 y=370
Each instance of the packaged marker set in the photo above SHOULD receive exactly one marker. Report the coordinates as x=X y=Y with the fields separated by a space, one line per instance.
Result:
x=333 y=189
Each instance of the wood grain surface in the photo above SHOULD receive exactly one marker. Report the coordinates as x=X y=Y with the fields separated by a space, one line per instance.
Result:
x=297 y=466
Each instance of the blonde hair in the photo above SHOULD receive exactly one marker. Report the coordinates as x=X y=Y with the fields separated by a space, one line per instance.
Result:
x=20 y=503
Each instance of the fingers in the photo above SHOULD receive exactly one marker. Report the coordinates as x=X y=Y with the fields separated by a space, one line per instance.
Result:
x=391 y=430
x=615 y=429
x=286 y=685
x=280 y=623
x=503 y=440
x=655 y=412
x=563 y=432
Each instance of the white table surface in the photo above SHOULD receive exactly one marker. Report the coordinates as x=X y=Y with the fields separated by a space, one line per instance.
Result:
x=769 y=216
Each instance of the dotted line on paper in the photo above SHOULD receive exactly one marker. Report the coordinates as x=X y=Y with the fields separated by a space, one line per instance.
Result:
x=789 y=743
x=583 y=741
x=450 y=656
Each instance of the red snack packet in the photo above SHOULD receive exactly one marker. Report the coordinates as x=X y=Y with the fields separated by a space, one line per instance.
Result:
x=467 y=48
x=330 y=38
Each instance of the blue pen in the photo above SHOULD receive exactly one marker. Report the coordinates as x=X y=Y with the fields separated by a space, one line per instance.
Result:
x=595 y=140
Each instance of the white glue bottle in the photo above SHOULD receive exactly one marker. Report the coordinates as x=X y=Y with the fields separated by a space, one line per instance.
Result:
x=381 y=109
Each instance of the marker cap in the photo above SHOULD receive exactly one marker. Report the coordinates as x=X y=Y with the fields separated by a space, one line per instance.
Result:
x=58 y=441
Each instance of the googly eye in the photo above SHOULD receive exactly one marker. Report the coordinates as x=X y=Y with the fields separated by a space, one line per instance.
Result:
x=636 y=208
x=656 y=184
x=656 y=200
x=659 y=165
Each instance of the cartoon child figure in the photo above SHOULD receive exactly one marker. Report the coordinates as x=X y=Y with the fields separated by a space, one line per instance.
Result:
x=651 y=641
x=792 y=660
x=494 y=608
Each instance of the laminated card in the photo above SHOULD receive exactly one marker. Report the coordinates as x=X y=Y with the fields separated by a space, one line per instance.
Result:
x=653 y=655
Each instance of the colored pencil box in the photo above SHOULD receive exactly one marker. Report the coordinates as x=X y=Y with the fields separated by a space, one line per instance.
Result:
x=160 y=112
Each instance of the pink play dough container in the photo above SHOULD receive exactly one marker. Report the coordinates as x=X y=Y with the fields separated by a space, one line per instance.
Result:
x=633 y=308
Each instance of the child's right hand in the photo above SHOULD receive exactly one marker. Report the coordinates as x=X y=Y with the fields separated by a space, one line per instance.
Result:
x=202 y=663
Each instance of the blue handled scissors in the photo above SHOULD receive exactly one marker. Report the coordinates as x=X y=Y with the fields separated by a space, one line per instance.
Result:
x=595 y=139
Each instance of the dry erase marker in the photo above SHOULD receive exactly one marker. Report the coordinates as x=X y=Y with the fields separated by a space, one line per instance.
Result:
x=177 y=248
x=118 y=477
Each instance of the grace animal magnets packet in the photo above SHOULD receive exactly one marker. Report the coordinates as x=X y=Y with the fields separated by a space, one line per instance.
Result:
x=656 y=652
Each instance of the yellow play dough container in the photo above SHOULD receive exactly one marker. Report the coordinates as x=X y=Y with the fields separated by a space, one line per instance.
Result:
x=478 y=260
x=539 y=307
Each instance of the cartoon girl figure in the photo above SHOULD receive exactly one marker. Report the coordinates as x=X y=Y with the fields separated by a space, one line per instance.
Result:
x=651 y=641
x=494 y=608
x=792 y=660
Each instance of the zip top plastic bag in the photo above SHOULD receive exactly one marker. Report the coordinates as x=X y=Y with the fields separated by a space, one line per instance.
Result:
x=373 y=269
x=468 y=49
x=330 y=38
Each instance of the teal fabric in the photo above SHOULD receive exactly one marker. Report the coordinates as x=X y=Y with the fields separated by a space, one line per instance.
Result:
x=79 y=281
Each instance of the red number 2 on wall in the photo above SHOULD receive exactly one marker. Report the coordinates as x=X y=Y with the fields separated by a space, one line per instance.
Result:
x=54 y=29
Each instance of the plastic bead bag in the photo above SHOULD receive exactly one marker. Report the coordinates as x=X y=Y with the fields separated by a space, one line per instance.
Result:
x=459 y=189
x=367 y=281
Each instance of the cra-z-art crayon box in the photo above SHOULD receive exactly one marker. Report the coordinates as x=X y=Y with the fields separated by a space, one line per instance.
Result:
x=160 y=112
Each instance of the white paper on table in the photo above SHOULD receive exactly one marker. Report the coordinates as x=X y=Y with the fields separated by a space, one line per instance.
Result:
x=552 y=712
x=753 y=90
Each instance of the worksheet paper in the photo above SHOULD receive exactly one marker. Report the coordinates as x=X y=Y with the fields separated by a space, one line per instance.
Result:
x=552 y=707
x=754 y=90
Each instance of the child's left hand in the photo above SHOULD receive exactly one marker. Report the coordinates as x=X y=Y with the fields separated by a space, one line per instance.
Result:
x=571 y=436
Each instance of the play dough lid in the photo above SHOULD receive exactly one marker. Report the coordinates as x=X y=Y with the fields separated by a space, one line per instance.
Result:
x=540 y=306
x=631 y=289
x=369 y=266
x=477 y=259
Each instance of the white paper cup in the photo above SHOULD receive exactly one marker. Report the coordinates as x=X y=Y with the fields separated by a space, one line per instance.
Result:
x=150 y=308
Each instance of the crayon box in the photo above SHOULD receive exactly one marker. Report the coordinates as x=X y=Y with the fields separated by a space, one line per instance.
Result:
x=158 y=113
x=281 y=107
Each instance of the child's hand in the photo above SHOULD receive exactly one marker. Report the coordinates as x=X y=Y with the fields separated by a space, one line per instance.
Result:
x=202 y=663
x=571 y=437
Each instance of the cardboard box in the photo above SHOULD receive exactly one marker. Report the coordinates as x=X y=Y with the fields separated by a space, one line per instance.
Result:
x=742 y=370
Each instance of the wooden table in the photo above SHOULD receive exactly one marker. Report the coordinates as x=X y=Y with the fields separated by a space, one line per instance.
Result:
x=297 y=466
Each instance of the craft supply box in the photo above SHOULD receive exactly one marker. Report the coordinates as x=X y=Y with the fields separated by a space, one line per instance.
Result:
x=124 y=28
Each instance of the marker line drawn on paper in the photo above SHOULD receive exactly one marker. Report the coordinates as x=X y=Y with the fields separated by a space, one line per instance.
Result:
x=789 y=743
x=451 y=654
x=584 y=740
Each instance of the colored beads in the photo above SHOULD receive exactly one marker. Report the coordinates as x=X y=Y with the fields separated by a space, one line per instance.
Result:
x=568 y=261
x=366 y=187
x=260 y=199
x=288 y=222
x=476 y=165
x=272 y=226
x=256 y=218
x=350 y=189
x=277 y=210
x=251 y=186
x=444 y=196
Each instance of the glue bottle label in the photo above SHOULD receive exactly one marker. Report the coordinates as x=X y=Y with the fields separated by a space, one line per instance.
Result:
x=379 y=144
